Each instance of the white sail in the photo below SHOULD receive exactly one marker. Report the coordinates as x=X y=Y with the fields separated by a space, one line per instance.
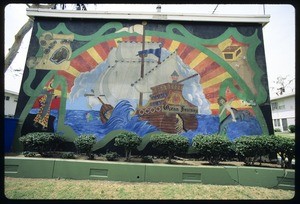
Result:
x=124 y=68
x=158 y=74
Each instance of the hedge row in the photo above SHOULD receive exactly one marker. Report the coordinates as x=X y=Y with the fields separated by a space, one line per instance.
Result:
x=212 y=148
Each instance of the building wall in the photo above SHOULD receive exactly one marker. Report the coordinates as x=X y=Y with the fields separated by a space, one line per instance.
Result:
x=283 y=108
x=10 y=103
x=80 y=71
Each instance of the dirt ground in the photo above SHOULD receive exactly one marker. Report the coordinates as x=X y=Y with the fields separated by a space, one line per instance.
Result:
x=175 y=161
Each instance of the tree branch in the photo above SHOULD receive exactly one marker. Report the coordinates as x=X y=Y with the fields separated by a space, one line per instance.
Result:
x=13 y=51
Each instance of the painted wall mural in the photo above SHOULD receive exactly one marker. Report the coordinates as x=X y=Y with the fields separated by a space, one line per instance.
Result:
x=100 y=76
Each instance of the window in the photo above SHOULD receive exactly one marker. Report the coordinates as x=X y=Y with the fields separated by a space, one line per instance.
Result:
x=281 y=107
x=274 y=105
x=7 y=98
x=276 y=122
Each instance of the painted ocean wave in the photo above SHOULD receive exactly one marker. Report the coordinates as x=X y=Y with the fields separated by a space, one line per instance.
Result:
x=122 y=117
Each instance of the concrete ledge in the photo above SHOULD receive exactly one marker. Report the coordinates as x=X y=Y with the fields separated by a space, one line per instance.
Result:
x=28 y=168
x=140 y=172
x=74 y=169
x=277 y=178
x=192 y=174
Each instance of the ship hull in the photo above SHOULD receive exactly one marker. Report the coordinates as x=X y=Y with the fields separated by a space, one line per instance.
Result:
x=172 y=122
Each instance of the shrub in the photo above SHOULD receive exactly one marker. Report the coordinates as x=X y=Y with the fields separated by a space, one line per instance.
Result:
x=286 y=149
x=277 y=130
x=247 y=148
x=250 y=148
x=129 y=141
x=111 y=156
x=147 y=159
x=42 y=142
x=214 y=148
x=84 y=144
x=292 y=128
x=68 y=155
x=28 y=154
x=169 y=144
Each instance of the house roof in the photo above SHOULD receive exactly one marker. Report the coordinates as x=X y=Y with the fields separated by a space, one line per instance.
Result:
x=282 y=96
x=11 y=92
x=38 y=12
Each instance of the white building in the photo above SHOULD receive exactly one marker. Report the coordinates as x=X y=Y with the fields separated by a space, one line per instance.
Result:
x=283 y=111
x=10 y=103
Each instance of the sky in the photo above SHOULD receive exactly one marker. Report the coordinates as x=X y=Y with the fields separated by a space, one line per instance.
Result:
x=278 y=34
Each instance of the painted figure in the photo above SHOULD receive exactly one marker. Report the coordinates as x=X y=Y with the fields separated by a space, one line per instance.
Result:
x=43 y=114
x=226 y=106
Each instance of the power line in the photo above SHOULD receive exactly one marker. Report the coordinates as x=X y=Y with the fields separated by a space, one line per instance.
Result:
x=215 y=9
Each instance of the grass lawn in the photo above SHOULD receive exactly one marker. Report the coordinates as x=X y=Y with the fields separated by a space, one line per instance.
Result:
x=285 y=134
x=27 y=188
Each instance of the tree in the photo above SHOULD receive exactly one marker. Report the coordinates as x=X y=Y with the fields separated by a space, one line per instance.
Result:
x=214 y=148
x=170 y=144
x=282 y=83
x=129 y=141
x=84 y=144
x=285 y=147
x=13 y=51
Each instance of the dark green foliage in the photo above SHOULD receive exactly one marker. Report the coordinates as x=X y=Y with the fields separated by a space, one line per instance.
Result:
x=285 y=147
x=292 y=128
x=277 y=130
x=147 y=159
x=129 y=141
x=247 y=148
x=250 y=148
x=28 y=154
x=67 y=155
x=169 y=144
x=213 y=148
x=111 y=156
x=44 y=143
x=84 y=144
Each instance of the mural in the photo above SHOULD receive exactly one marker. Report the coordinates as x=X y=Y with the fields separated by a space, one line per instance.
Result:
x=97 y=76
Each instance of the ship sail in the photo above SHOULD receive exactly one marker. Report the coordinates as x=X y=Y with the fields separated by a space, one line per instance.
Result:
x=158 y=74
x=124 y=69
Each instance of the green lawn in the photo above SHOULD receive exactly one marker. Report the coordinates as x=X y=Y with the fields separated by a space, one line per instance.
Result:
x=27 y=188
x=285 y=134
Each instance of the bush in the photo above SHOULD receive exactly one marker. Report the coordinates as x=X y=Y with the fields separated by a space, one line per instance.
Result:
x=277 y=130
x=214 y=148
x=147 y=159
x=111 y=156
x=292 y=128
x=68 y=155
x=44 y=143
x=170 y=144
x=250 y=148
x=285 y=147
x=129 y=141
x=84 y=144
x=28 y=154
x=246 y=147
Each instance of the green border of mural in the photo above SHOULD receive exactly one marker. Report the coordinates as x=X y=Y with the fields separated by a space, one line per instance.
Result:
x=186 y=38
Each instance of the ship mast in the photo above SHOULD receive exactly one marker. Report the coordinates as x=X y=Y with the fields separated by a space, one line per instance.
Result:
x=144 y=23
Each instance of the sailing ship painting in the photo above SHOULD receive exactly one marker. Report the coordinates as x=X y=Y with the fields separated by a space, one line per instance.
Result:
x=155 y=81
x=144 y=78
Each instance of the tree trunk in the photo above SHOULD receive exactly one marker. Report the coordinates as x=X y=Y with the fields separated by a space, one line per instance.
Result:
x=13 y=51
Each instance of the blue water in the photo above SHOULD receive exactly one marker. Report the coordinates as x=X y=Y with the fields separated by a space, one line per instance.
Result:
x=88 y=122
